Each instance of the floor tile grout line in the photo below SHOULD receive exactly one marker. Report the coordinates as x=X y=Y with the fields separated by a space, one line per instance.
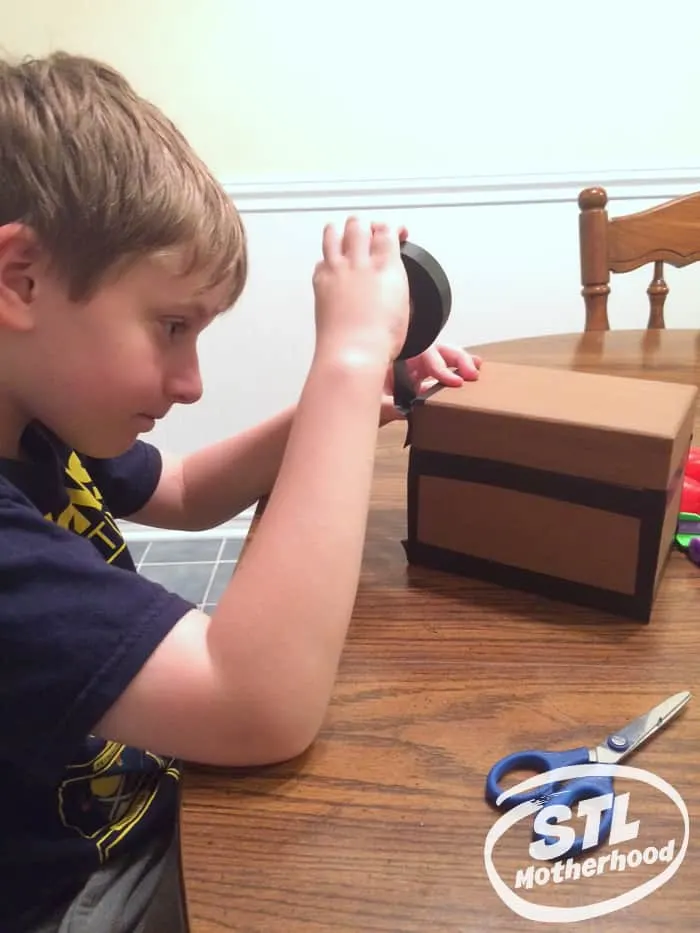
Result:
x=139 y=565
x=213 y=573
x=187 y=563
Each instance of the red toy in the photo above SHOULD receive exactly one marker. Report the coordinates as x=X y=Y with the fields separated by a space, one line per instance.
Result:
x=690 y=497
x=692 y=468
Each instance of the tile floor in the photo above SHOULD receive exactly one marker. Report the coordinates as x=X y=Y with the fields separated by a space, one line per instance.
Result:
x=196 y=569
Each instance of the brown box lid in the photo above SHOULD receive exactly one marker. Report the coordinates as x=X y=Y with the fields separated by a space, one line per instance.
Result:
x=615 y=429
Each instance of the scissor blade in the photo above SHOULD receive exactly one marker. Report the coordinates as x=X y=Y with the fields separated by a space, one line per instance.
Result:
x=620 y=744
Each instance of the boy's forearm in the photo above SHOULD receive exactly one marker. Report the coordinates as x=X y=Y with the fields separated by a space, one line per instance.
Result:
x=285 y=613
x=212 y=485
x=225 y=478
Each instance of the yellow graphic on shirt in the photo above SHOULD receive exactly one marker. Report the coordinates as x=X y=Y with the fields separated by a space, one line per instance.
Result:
x=104 y=796
x=86 y=513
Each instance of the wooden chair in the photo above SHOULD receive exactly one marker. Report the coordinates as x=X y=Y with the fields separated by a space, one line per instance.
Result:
x=667 y=233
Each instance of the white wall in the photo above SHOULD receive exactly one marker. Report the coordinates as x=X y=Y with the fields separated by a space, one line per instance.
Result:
x=387 y=88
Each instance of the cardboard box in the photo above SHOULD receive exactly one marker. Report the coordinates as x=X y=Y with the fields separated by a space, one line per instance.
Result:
x=561 y=483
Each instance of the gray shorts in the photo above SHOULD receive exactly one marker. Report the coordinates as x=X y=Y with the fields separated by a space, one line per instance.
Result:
x=142 y=895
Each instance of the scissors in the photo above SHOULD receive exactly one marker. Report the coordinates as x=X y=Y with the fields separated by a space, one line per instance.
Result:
x=614 y=747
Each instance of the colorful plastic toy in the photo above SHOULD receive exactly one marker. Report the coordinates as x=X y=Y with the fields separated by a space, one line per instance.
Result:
x=687 y=529
x=692 y=467
x=688 y=535
x=694 y=550
x=690 y=494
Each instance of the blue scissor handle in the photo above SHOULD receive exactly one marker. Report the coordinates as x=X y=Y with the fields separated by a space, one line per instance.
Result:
x=567 y=793
x=571 y=793
x=532 y=760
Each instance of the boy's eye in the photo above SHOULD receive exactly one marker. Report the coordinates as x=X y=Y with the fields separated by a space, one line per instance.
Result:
x=174 y=327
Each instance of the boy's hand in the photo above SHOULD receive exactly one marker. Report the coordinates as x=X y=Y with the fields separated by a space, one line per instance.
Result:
x=361 y=292
x=441 y=363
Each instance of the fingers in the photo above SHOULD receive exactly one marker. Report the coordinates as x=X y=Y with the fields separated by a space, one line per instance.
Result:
x=385 y=241
x=431 y=365
x=466 y=365
x=331 y=243
x=402 y=231
x=440 y=369
x=449 y=365
x=357 y=238
x=360 y=239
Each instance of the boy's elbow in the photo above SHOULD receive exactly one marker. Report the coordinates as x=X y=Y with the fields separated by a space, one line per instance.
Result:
x=279 y=750
x=290 y=737
x=275 y=737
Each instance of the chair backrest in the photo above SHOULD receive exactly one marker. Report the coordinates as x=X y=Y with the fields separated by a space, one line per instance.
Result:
x=667 y=233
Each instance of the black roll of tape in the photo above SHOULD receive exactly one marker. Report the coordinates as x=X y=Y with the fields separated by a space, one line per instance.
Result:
x=431 y=301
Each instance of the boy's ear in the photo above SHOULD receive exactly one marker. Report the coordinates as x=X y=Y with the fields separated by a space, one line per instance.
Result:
x=20 y=255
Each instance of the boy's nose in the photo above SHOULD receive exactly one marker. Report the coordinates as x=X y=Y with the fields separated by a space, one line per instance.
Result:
x=186 y=388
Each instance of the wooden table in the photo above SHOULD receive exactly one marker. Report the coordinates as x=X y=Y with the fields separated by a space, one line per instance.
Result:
x=380 y=827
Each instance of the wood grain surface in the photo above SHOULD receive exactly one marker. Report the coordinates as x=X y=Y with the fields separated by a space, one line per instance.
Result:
x=381 y=826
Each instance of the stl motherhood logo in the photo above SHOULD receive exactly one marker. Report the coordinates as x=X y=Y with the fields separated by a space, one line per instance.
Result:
x=607 y=819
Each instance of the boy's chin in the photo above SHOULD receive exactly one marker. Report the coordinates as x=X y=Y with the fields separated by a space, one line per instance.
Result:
x=102 y=445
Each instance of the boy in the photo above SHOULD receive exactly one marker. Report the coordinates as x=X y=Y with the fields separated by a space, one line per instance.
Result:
x=117 y=248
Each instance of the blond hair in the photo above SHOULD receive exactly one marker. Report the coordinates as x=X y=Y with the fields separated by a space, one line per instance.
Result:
x=102 y=176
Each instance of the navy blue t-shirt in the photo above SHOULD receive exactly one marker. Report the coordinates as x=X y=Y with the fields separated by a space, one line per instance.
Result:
x=76 y=625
